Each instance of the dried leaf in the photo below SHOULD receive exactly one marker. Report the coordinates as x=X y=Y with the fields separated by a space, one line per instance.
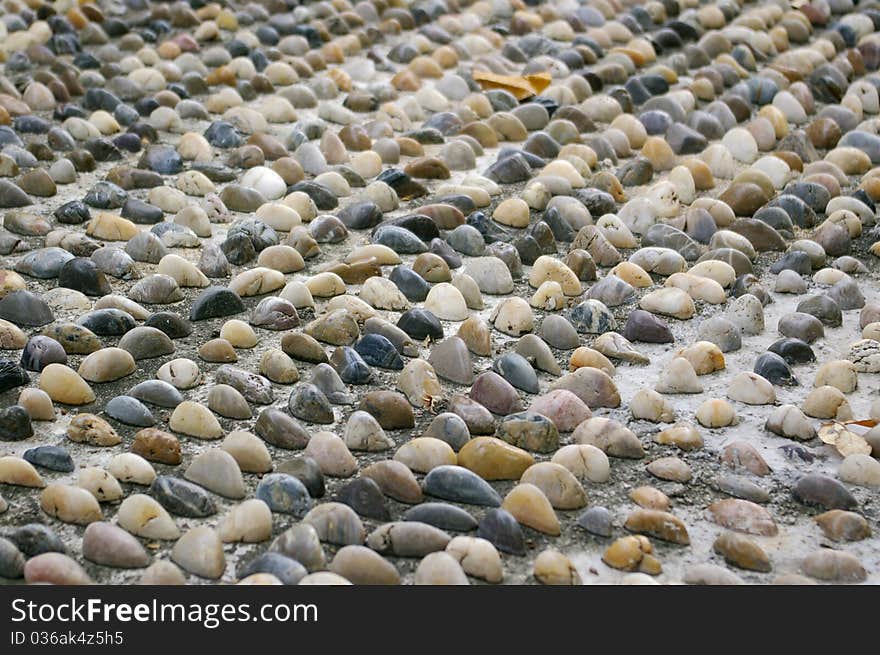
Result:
x=846 y=441
x=830 y=432
x=867 y=422
x=521 y=86
x=849 y=443
x=861 y=427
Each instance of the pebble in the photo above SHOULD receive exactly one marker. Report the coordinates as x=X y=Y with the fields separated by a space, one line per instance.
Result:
x=336 y=523
x=284 y=494
x=632 y=553
x=458 y=484
x=860 y=469
x=833 y=566
x=107 y=545
x=182 y=498
x=670 y=179
x=17 y=471
x=195 y=420
x=217 y=471
x=200 y=552
x=70 y=504
x=331 y=455
x=55 y=568
x=302 y=544
x=361 y=565
x=54 y=458
x=841 y=525
x=658 y=524
x=408 y=539
x=502 y=530
x=822 y=491
x=131 y=468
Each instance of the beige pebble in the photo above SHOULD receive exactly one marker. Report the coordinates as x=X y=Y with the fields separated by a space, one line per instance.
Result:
x=70 y=504
x=100 y=483
x=195 y=420
x=132 y=468
x=19 y=472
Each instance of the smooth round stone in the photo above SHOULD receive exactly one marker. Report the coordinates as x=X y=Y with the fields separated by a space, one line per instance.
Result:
x=500 y=528
x=305 y=469
x=249 y=522
x=408 y=539
x=840 y=525
x=70 y=504
x=127 y=467
x=280 y=429
x=37 y=404
x=450 y=428
x=491 y=275
x=286 y=569
x=200 y=551
x=25 y=309
x=107 y=365
x=65 y=385
x=722 y=332
x=278 y=367
x=55 y=568
x=83 y=275
x=265 y=181
x=45 y=263
x=351 y=367
x=443 y=516
x=144 y=517
x=191 y=418
x=254 y=388
x=108 y=545
x=457 y=484
x=536 y=352
x=331 y=454
x=53 y=458
x=563 y=408
x=467 y=240
x=361 y=565
x=644 y=326
x=529 y=431
x=182 y=498
x=802 y=326
x=331 y=384
x=363 y=432
x=216 y=302
x=217 y=471
x=335 y=523
x=130 y=411
x=377 y=350
x=861 y=470
x=793 y=351
x=365 y=497
x=285 y=494
x=310 y=404
x=822 y=491
x=834 y=566
x=145 y=342
x=822 y=307
x=40 y=351
x=440 y=568
x=12 y=561
x=103 y=322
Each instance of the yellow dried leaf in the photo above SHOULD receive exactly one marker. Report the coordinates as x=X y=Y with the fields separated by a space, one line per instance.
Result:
x=830 y=432
x=851 y=444
x=521 y=86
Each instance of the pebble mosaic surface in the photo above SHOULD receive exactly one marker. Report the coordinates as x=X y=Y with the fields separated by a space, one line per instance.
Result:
x=439 y=292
